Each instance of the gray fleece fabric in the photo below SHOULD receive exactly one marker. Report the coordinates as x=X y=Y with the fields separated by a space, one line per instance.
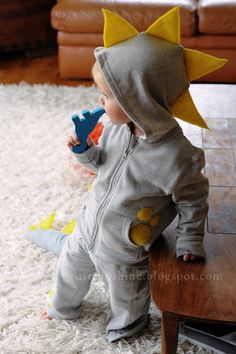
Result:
x=133 y=174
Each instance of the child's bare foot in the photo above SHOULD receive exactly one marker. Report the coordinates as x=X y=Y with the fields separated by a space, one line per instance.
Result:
x=44 y=315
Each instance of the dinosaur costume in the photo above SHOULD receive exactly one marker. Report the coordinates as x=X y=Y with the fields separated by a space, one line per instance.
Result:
x=142 y=183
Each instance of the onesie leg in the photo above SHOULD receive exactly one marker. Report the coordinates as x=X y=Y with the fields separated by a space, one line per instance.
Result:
x=72 y=281
x=129 y=292
x=50 y=240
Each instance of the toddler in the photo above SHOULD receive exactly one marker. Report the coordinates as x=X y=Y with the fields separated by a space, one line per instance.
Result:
x=147 y=173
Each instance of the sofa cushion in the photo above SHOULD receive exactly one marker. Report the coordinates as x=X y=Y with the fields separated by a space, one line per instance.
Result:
x=196 y=42
x=85 y=16
x=217 y=16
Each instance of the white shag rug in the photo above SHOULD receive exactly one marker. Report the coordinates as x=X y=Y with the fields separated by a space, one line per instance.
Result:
x=37 y=177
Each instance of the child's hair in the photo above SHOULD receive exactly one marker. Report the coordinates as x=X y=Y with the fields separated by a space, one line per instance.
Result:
x=97 y=73
x=95 y=69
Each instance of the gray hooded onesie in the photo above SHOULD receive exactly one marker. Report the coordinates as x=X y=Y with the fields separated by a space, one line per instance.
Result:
x=159 y=172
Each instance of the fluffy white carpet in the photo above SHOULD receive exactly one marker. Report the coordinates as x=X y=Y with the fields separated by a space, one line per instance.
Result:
x=37 y=177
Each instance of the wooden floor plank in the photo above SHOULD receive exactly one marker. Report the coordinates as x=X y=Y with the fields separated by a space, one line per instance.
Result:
x=17 y=68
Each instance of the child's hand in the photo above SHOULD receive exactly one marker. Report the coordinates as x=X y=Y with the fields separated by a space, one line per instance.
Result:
x=73 y=141
x=190 y=257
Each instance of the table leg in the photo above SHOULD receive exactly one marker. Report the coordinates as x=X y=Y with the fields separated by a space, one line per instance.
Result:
x=169 y=333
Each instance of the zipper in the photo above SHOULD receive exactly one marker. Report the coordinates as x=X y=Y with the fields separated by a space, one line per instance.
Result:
x=127 y=150
x=106 y=199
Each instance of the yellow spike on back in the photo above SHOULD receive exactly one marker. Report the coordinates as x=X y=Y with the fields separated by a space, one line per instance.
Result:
x=199 y=64
x=68 y=229
x=184 y=108
x=45 y=224
x=167 y=26
x=116 y=29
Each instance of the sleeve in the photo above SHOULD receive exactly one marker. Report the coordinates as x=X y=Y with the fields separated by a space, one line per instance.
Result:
x=91 y=158
x=190 y=197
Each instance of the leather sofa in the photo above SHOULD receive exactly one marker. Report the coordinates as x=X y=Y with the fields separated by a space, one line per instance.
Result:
x=206 y=25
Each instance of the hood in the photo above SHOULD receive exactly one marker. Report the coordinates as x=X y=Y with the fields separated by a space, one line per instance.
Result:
x=146 y=75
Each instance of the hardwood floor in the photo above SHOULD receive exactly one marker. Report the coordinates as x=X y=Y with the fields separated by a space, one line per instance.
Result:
x=17 y=68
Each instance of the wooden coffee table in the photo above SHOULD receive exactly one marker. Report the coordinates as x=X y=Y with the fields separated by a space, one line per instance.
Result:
x=203 y=290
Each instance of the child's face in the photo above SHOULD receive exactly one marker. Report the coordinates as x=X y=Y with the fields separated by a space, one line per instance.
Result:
x=108 y=101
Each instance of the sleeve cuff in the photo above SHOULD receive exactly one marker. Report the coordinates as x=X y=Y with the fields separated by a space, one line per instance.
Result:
x=194 y=248
x=88 y=155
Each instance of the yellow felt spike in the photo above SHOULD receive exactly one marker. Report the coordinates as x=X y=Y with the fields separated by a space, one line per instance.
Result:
x=32 y=227
x=45 y=224
x=68 y=229
x=116 y=29
x=90 y=187
x=49 y=298
x=167 y=26
x=184 y=108
x=199 y=64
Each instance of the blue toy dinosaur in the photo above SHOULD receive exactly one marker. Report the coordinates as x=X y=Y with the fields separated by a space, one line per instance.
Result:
x=84 y=126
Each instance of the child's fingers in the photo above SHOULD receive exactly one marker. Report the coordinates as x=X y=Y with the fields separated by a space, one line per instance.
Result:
x=190 y=257
x=76 y=140
x=69 y=143
x=73 y=141
x=89 y=141
x=186 y=257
